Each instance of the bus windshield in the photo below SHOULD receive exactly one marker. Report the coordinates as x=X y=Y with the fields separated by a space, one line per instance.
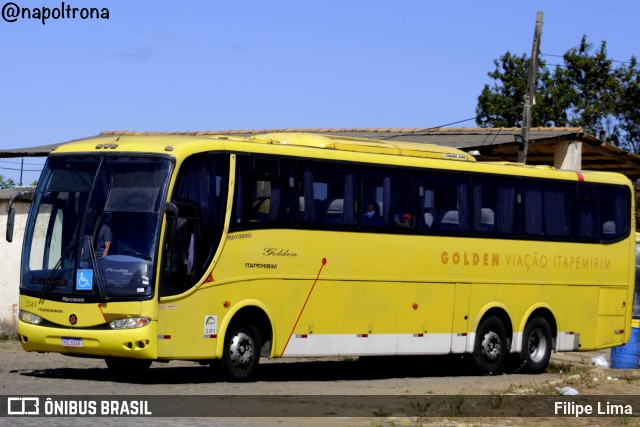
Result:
x=94 y=228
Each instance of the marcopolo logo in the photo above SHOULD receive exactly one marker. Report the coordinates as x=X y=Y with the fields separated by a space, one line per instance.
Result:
x=23 y=406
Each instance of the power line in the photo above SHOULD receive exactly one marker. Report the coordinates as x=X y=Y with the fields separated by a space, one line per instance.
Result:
x=18 y=163
x=419 y=131
x=18 y=169
x=428 y=129
x=562 y=56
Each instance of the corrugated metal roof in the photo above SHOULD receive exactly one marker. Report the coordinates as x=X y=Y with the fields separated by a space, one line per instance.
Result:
x=494 y=144
x=40 y=151
x=452 y=137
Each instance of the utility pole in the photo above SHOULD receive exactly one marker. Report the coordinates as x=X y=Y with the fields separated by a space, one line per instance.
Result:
x=529 y=98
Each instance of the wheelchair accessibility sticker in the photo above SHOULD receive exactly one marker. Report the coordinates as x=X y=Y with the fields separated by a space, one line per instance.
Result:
x=84 y=280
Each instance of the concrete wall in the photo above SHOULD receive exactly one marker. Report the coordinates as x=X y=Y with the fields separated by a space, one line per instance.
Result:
x=568 y=155
x=10 y=254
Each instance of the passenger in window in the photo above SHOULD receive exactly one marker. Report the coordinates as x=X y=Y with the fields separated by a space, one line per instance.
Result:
x=260 y=209
x=371 y=216
x=405 y=221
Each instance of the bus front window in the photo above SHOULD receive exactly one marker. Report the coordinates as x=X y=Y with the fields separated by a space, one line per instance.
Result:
x=94 y=228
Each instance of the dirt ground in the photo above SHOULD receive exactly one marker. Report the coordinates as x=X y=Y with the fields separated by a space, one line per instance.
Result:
x=434 y=390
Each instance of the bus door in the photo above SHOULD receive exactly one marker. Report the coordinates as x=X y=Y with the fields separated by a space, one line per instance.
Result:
x=195 y=223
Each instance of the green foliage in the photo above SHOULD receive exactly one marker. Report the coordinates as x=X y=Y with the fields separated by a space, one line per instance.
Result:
x=501 y=105
x=586 y=91
x=628 y=104
x=6 y=183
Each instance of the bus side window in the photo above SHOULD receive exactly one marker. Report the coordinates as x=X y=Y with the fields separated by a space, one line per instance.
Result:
x=446 y=202
x=265 y=193
x=391 y=194
x=587 y=218
x=326 y=194
x=614 y=204
x=180 y=249
x=496 y=207
x=428 y=212
x=547 y=209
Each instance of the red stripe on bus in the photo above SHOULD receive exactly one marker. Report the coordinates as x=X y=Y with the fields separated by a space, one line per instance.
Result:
x=324 y=262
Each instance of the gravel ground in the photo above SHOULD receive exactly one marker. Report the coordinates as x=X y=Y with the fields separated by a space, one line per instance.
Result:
x=351 y=392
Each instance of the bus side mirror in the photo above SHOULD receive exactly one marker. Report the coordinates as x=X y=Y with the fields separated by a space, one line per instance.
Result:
x=11 y=216
x=171 y=210
x=11 y=212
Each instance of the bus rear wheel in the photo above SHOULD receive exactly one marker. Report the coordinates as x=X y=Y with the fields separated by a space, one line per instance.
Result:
x=536 y=345
x=490 y=347
x=241 y=352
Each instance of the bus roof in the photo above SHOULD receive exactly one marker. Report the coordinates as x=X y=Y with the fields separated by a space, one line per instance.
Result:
x=182 y=145
x=157 y=141
x=399 y=148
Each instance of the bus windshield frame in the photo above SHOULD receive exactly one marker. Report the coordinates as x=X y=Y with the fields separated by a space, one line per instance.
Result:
x=94 y=228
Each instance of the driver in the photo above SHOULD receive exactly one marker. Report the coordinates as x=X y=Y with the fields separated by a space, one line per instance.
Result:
x=103 y=243
x=104 y=237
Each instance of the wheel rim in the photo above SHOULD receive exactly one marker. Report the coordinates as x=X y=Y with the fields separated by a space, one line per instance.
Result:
x=241 y=350
x=491 y=346
x=537 y=345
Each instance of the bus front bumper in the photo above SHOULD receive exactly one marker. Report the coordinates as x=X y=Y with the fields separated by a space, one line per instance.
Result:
x=139 y=343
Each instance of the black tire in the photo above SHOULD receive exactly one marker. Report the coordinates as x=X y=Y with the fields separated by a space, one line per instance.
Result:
x=127 y=368
x=241 y=352
x=491 y=346
x=536 y=345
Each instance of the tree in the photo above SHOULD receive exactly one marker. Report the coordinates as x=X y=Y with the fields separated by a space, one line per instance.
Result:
x=628 y=104
x=501 y=104
x=6 y=183
x=590 y=83
x=586 y=91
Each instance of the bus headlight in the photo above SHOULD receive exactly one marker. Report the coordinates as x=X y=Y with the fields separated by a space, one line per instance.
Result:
x=130 y=323
x=27 y=317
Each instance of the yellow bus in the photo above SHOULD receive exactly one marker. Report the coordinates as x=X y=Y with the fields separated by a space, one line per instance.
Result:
x=220 y=249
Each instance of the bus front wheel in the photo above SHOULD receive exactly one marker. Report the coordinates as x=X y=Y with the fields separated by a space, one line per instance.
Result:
x=536 y=345
x=490 y=348
x=241 y=351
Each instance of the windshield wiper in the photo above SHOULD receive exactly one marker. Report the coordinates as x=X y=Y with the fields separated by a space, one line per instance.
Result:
x=56 y=269
x=97 y=273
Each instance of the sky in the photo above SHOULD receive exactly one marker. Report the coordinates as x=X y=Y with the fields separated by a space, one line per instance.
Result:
x=220 y=65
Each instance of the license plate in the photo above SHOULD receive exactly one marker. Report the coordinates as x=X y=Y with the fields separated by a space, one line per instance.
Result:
x=72 y=342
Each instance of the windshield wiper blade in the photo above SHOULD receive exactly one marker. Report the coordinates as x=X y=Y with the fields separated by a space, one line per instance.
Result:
x=56 y=269
x=97 y=273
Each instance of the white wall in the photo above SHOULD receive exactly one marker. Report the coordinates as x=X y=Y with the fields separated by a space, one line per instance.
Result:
x=10 y=254
x=568 y=155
